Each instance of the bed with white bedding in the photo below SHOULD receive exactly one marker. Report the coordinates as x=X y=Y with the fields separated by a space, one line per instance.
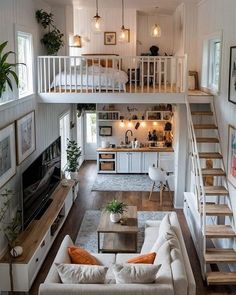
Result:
x=95 y=77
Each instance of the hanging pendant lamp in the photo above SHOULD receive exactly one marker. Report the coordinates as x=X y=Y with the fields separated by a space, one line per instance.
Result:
x=156 y=29
x=97 y=21
x=124 y=33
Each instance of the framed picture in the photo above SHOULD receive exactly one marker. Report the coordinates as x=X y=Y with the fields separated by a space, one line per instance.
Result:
x=109 y=38
x=232 y=75
x=105 y=130
x=7 y=154
x=25 y=130
x=232 y=155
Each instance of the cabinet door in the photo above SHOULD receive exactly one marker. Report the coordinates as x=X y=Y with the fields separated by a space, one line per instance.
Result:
x=149 y=159
x=135 y=161
x=122 y=162
x=167 y=162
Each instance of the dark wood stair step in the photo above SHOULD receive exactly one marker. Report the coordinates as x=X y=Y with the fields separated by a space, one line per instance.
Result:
x=202 y=113
x=214 y=255
x=207 y=140
x=220 y=231
x=221 y=278
x=205 y=126
x=218 y=210
x=210 y=155
x=213 y=172
x=216 y=191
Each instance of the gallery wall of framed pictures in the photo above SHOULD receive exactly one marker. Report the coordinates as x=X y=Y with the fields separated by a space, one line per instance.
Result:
x=17 y=142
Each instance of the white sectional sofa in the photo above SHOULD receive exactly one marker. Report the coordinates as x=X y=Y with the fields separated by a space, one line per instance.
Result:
x=174 y=277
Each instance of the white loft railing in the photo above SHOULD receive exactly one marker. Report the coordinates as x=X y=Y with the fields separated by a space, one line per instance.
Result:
x=108 y=73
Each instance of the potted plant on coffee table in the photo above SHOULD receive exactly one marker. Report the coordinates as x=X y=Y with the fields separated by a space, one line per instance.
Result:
x=116 y=209
x=73 y=154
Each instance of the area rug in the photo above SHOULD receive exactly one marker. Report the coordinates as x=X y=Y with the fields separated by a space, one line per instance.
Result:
x=123 y=182
x=87 y=236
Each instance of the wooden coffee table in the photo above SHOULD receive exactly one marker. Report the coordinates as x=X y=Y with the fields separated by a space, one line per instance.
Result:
x=117 y=237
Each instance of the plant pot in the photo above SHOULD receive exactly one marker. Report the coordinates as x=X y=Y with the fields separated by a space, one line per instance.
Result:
x=115 y=217
x=74 y=175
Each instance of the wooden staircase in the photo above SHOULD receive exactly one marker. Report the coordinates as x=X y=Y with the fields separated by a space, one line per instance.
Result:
x=214 y=203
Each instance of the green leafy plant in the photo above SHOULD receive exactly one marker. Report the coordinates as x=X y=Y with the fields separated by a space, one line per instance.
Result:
x=73 y=153
x=6 y=69
x=115 y=206
x=82 y=107
x=53 y=39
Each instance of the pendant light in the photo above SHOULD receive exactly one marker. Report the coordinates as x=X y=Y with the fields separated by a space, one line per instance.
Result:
x=76 y=42
x=97 y=21
x=156 y=30
x=124 y=33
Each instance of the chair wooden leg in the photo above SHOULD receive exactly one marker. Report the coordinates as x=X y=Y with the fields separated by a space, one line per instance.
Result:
x=161 y=193
x=151 y=191
x=168 y=187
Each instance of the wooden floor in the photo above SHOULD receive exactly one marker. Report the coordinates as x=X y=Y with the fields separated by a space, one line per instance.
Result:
x=88 y=200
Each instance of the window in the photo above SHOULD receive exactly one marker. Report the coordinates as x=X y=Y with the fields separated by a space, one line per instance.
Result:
x=64 y=133
x=211 y=63
x=25 y=70
x=91 y=129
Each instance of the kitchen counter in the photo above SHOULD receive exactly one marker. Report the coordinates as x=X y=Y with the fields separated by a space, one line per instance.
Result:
x=143 y=149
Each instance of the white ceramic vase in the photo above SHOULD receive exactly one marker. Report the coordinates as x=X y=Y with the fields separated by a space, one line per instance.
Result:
x=16 y=251
x=115 y=217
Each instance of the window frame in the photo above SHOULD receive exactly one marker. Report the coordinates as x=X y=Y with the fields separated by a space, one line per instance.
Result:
x=208 y=62
x=63 y=115
x=27 y=31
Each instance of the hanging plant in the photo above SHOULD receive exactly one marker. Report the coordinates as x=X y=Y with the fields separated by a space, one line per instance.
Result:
x=53 y=39
x=7 y=70
x=81 y=107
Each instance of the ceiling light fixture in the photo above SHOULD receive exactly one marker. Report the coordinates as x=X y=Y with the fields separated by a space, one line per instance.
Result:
x=124 y=35
x=97 y=21
x=156 y=30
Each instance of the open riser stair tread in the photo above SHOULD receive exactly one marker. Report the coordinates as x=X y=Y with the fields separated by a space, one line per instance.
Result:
x=218 y=209
x=220 y=231
x=210 y=155
x=205 y=126
x=220 y=255
x=216 y=191
x=213 y=172
x=221 y=278
x=202 y=113
x=207 y=140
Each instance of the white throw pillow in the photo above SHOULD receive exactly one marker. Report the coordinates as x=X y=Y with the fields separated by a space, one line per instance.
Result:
x=164 y=227
x=81 y=273
x=135 y=273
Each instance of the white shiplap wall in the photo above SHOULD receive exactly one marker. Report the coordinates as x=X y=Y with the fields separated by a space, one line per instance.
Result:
x=22 y=13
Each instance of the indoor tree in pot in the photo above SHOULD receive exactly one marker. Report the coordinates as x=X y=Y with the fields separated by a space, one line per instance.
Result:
x=73 y=153
x=6 y=70
x=53 y=39
x=116 y=209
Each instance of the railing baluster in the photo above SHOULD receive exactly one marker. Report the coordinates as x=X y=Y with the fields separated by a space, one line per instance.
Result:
x=75 y=73
x=59 y=74
x=45 y=75
x=54 y=74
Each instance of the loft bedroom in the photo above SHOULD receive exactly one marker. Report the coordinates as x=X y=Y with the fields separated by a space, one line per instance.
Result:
x=150 y=60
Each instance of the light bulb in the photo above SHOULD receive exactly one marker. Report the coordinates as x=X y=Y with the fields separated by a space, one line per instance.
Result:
x=143 y=124
x=129 y=124
x=122 y=124
x=154 y=123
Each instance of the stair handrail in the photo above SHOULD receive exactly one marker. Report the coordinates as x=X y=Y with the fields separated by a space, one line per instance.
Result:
x=199 y=178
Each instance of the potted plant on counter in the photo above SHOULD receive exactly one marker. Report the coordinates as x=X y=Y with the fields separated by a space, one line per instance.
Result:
x=73 y=154
x=116 y=209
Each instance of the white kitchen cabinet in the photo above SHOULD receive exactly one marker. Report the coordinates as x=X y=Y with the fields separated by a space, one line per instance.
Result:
x=167 y=161
x=135 y=162
x=122 y=162
x=129 y=162
x=149 y=159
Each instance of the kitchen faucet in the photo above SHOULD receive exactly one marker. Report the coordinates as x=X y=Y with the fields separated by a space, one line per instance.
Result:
x=127 y=137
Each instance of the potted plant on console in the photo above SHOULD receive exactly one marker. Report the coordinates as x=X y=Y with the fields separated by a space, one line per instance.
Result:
x=73 y=154
x=116 y=209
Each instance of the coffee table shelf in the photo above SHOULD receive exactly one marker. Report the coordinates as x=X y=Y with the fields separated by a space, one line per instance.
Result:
x=117 y=237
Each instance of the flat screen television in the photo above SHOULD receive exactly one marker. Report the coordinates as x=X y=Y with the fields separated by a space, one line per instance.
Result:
x=39 y=180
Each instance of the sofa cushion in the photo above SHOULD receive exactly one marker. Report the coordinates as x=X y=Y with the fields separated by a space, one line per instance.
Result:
x=145 y=258
x=163 y=229
x=81 y=256
x=81 y=274
x=151 y=235
x=135 y=273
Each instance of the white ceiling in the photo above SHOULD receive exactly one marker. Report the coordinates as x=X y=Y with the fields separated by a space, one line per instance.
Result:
x=165 y=6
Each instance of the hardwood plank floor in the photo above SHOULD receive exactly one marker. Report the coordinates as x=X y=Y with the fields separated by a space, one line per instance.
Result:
x=88 y=200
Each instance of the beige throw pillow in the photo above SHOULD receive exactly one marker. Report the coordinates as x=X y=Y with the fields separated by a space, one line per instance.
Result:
x=163 y=229
x=81 y=274
x=135 y=273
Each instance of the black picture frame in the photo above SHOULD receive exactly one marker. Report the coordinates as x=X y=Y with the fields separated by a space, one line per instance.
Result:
x=105 y=130
x=232 y=75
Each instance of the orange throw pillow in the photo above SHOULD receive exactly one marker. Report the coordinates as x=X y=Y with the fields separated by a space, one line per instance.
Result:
x=81 y=256
x=145 y=258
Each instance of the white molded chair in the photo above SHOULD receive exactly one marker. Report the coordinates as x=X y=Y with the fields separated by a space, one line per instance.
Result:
x=159 y=178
